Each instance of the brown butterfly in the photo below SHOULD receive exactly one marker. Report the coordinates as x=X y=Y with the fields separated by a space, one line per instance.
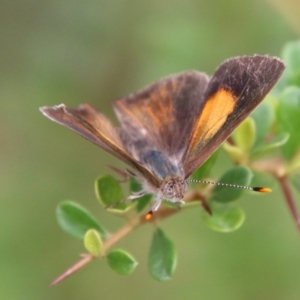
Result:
x=170 y=128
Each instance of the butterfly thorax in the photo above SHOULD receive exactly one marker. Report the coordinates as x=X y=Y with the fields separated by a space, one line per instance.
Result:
x=173 y=185
x=160 y=164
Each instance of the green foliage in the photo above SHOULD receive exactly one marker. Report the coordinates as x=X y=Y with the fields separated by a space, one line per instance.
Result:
x=240 y=176
x=142 y=202
x=121 y=262
x=288 y=113
x=263 y=117
x=224 y=218
x=162 y=256
x=93 y=242
x=76 y=220
x=109 y=191
x=291 y=57
x=265 y=146
x=245 y=135
x=205 y=169
x=276 y=143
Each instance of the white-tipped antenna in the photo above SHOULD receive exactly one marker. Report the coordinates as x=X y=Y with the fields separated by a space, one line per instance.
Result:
x=250 y=188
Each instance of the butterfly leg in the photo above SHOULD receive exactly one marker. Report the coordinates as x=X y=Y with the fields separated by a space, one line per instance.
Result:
x=131 y=197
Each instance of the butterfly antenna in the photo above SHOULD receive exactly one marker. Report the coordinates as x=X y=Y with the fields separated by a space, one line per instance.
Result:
x=249 y=188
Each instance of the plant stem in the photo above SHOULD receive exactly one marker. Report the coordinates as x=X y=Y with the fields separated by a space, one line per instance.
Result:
x=80 y=264
x=286 y=188
x=134 y=223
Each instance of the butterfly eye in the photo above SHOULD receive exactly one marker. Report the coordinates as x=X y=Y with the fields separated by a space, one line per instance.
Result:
x=170 y=188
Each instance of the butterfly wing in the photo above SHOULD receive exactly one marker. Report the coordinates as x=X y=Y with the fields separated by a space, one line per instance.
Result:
x=95 y=127
x=235 y=89
x=162 y=115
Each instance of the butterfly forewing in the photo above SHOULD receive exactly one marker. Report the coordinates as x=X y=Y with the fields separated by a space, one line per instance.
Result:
x=162 y=115
x=235 y=89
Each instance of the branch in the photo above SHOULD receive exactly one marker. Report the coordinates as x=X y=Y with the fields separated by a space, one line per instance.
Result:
x=133 y=224
x=286 y=188
x=277 y=168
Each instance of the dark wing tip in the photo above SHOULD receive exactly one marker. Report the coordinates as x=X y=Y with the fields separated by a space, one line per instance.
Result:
x=275 y=62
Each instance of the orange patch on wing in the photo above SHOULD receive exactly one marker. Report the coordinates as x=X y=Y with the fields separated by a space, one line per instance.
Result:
x=215 y=113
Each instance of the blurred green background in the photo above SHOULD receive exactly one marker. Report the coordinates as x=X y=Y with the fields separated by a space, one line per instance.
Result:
x=97 y=51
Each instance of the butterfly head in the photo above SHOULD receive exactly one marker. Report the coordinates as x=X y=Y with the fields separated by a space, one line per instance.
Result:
x=173 y=190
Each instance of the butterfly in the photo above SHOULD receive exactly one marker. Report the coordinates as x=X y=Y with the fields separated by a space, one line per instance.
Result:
x=170 y=128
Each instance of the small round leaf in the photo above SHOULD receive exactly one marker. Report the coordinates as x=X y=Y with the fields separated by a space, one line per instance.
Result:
x=109 y=191
x=76 y=220
x=224 y=218
x=93 y=242
x=162 y=256
x=245 y=135
x=237 y=176
x=235 y=152
x=121 y=262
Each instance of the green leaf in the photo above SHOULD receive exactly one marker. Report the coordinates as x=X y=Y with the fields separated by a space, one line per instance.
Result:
x=276 y=143
x=121 y=262
x=224 y=218
x=235 y=152
x=93 y=242
x=162 y=256
x=109 y=191
x=143 y=201
x=205 y=169
x=263 y=117
x=76 y=220
x=291 y=55
x=288 y=112
x=244 y=135
x=238 y=176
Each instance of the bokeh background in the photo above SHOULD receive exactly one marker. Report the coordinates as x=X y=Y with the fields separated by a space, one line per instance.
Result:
x=97 y=51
